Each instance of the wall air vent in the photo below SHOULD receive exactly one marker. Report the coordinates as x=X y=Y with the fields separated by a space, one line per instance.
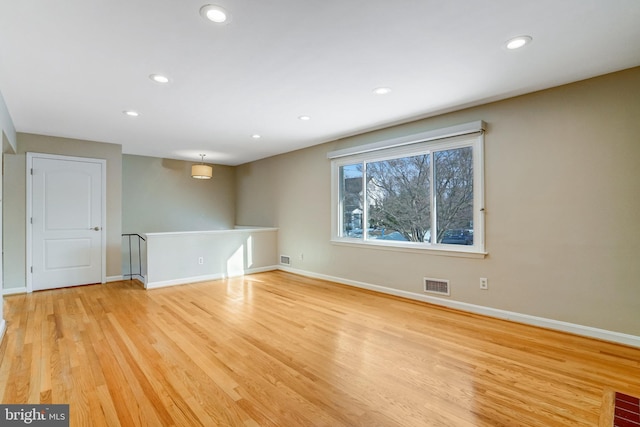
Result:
x=436 y=286
x=285 y=260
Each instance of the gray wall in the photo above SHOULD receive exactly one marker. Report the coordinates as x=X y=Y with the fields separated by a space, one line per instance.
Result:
x=15 y=204
x=159 y=195
x=562 y=182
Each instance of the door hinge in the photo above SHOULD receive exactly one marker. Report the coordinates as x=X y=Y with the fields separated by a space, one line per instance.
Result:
x=31 y=220
x=31 y=171
x=31 y=269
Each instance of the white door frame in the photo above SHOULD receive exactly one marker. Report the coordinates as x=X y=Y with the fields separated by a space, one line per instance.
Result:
x=103 y=213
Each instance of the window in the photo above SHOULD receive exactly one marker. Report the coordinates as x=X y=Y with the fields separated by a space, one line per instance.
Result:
x=421 y=192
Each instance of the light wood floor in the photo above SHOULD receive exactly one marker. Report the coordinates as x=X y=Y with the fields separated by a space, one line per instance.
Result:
x=275 y=349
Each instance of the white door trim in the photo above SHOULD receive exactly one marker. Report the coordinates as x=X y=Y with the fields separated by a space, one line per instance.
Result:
x=103 y=213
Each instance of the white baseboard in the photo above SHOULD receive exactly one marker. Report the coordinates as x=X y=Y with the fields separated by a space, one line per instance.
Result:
x=137 y=277
x=23 y=289
x=217 y=276
x=542 y=322
x=13 y=291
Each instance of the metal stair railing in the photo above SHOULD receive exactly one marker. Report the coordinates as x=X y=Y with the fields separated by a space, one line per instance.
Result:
x=140 y=239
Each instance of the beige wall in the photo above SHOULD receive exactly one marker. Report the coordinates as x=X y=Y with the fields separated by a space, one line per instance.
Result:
x=15 y=205
x=562 y=171
x=161 y=196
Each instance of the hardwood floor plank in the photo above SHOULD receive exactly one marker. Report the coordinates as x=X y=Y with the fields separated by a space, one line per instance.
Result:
x=276 y=349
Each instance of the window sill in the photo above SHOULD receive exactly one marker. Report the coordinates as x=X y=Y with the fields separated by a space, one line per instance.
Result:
x=462 y=252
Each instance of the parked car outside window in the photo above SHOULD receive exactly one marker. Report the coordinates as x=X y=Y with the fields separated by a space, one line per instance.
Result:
x=457 y=237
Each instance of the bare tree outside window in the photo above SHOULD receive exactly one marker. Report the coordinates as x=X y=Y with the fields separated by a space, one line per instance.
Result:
x=454 y=195
x=398 y=197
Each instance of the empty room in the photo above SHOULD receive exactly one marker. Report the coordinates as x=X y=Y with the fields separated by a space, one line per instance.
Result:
x=298 y=213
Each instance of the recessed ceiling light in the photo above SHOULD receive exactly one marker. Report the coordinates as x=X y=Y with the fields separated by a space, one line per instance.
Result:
x=381 y=90
x=159 y=78
x=304 y=118
x=256 y=136
x=131 y=113
x=214 y=13
x=518 y=42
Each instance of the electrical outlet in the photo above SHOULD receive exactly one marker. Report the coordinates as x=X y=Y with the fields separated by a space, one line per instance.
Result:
x=484 y=283
x=301 y=257
x=200 y=260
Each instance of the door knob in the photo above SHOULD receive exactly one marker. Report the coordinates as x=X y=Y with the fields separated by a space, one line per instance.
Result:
x=96 y=228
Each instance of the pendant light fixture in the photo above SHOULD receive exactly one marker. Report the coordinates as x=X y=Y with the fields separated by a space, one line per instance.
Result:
x=201 y=171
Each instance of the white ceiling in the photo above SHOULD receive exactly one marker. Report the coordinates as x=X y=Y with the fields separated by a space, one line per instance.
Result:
x=71 y=67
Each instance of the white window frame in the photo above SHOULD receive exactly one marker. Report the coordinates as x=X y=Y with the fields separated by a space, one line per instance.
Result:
x=460 y=136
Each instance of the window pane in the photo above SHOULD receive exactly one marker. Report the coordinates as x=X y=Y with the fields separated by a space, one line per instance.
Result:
x=454 y=195
x=351 y=200
x=398 y=199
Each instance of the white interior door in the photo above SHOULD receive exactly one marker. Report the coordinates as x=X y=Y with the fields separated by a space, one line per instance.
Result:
x=66 y=221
